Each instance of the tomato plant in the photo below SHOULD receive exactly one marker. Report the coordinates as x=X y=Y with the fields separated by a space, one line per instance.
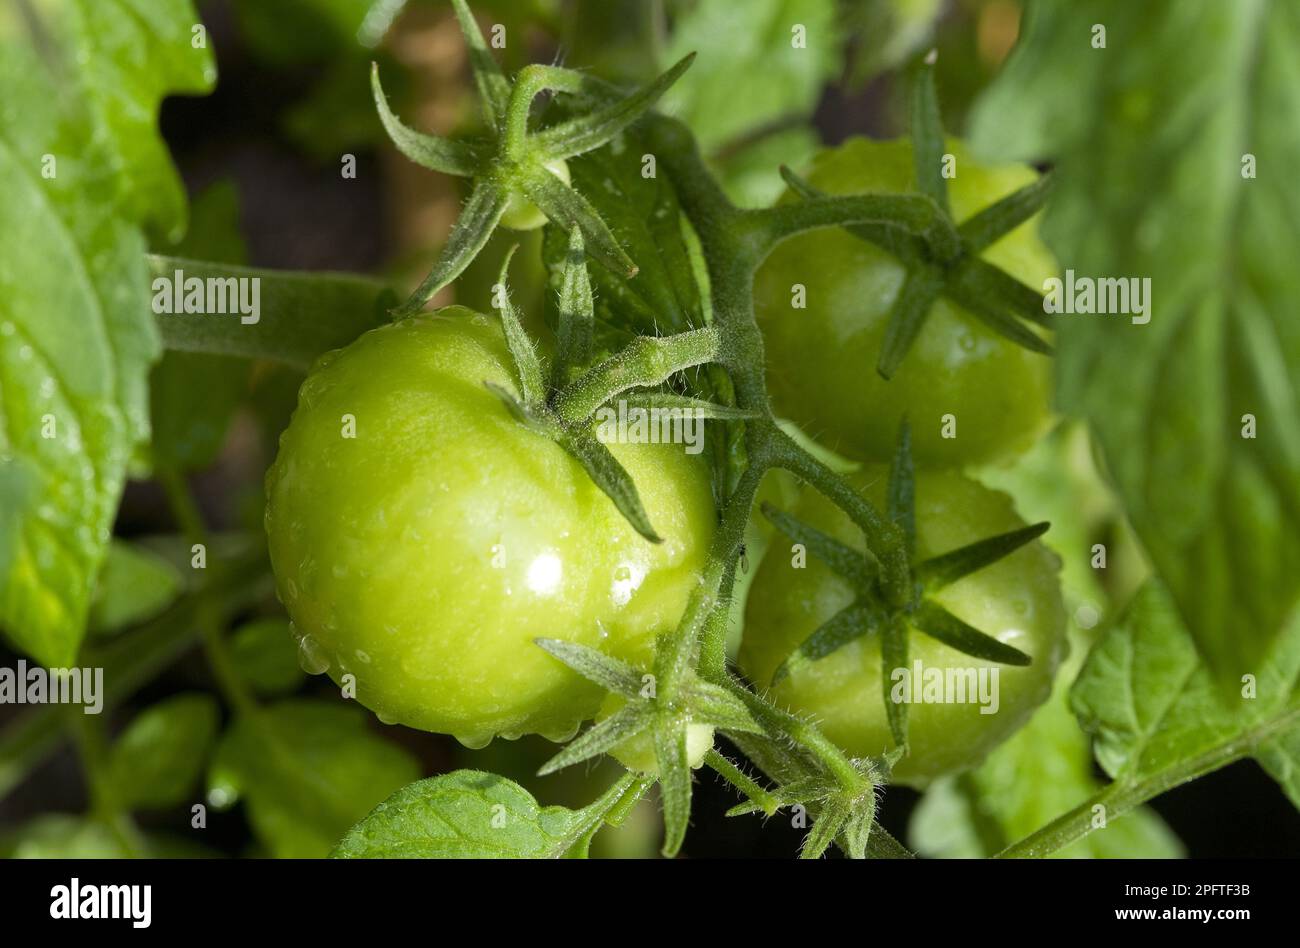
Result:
x=762 y=485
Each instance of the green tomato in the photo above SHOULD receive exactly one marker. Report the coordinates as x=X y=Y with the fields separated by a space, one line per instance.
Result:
x=422 y=538
x=1017 y=600
x=523 y=214
x=822 y=358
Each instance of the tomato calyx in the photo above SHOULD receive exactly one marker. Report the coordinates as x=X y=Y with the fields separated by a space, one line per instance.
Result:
x=873 y=613
x=697 y=702
x=511 y=168
x=563 y=412
x=946 y=268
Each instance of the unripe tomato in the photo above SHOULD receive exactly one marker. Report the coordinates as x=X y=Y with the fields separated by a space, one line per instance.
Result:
x=822 y=358
x=422 y=538
x=1017 y=600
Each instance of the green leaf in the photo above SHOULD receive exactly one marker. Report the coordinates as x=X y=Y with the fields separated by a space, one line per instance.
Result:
x=824 y=830
x=265 y=656
x=901 y=498
x=889 y=32
x=911 y=307
x=158 y=759
x=714 y=705
x=468 y=814
x=895 y=647
x=307 y=770
x=927 y=136
x=569 y=208
x=1219 y=513
x=646 y=220
x=980 y=813
x=58 y=836
x=312 y=31
x=76 y=338
x=133 y=586
x=193 y=396
x=1152 y=704
x=303 y=315
x=782 y=77
x=129 y=55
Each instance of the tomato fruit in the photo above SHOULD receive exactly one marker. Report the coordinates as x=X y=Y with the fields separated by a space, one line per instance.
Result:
x=422 y=538
x=1016 y=600
x=822 y=358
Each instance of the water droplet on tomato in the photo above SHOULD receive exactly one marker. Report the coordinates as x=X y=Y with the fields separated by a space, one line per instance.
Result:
x=311 y=657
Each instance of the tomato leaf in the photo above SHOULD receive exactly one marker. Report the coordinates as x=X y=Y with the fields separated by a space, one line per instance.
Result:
x=469 y=814
x=979 y=813
x=1195 y=193
x=133 y=586
x=1152 y=704
x=645 y=219
x=159 y=757
x=265 y=656
x=786 y=50
x=84 y=170
x=308 y=771
x=130 y=54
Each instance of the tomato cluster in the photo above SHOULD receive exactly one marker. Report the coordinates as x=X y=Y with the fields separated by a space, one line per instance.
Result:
x=423 y=537
x=970 y=396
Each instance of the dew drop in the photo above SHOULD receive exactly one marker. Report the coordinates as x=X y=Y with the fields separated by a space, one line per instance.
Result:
x=311 y=657
x=474 y=741
x=385 y=719
x=1086 y=616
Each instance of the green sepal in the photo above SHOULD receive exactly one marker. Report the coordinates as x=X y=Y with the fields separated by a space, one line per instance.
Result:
x=941 y=625
x=610 y=476
x=946 y=568
x=628 y=721
x=605 y=670
x=850 y=623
